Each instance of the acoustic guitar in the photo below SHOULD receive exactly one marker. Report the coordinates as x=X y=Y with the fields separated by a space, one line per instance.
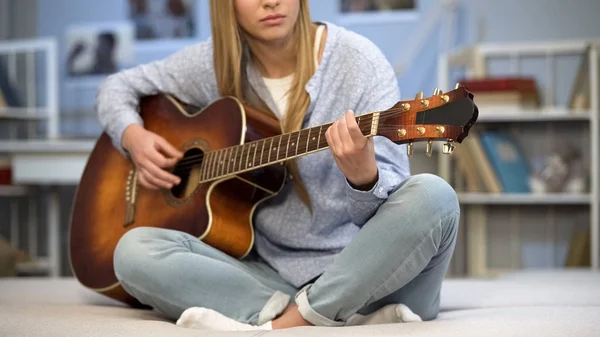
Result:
x=233 y=162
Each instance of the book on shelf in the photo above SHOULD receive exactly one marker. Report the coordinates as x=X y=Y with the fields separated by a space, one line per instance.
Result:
x=580 y=97
x=5 y=171
x=507 y=160
x=2 y=100
x=504 y=95
x=493 y=162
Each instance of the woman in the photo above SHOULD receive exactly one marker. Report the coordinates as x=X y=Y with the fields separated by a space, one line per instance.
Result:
x=351 y=239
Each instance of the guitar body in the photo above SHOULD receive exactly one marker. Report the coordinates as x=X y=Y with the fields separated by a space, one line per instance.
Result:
x=109 y=201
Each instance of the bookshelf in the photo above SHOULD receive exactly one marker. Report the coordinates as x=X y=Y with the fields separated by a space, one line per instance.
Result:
x=29 y=84
x=498 y=224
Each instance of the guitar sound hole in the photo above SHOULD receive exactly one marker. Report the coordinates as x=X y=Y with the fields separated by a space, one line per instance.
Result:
x=188 y=169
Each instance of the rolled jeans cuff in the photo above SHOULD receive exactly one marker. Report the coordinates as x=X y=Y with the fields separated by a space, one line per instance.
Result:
x=308 y=313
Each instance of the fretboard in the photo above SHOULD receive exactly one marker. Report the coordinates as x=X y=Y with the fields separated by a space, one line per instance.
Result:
x=267 y=151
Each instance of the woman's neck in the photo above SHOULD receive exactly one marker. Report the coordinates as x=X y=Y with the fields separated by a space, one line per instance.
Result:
x=274 y=59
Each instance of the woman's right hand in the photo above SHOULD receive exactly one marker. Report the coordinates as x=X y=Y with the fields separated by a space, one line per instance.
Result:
x=151 y=153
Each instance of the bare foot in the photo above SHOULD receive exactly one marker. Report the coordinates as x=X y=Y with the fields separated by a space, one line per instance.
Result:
x=290 y=318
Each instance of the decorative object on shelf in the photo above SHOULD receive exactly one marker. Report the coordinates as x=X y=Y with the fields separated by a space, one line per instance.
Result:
x=563 y=171
x=504 y=95
x=163 y=19
x=99 y=49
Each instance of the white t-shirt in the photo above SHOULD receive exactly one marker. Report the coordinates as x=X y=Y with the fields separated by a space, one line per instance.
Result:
x=279 y=87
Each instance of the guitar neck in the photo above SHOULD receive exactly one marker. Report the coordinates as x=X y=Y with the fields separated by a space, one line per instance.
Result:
x=272 y=150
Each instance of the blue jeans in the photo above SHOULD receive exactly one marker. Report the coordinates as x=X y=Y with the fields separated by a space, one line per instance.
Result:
x=401 y=255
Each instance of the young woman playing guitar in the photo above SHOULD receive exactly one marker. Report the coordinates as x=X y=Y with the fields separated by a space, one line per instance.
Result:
x=352 y=238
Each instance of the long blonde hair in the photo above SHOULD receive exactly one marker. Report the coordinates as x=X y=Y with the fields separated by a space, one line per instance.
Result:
x=228 y=39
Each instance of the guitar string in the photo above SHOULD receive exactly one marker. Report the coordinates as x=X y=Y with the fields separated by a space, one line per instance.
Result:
x=191 y=161
x=383 y=116
x=282 y=147
x=321 y=146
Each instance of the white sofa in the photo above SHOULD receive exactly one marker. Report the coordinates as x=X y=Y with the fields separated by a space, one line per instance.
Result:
x=533 y=303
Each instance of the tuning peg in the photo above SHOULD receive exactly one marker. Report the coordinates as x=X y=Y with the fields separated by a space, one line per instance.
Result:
x=448 y=148
x=457 y=85
x=419 y=95
x=410 y=149
x=429 y=148
x=436 y=91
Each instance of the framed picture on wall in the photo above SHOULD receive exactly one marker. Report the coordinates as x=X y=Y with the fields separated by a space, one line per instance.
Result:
x=359 y=12
x=98 y=49
x=362 y=6
x=163 y=19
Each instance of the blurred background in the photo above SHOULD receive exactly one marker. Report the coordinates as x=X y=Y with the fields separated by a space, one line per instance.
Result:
x=527 y=175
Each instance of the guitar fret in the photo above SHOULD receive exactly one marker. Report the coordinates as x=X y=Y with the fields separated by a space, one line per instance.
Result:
x=203 y=167
x=262 y=152
x=319 y=139
x=219 y=162
x=207 y=170
x=297 y=141
x=226 y=161
x=241 y=157
x=235 y=158
x=247 y=164
x=307 y=140
x=287 y=146
x=271 y=149
x=216 y=165
x=223 y=162
x=254 y=156
x=231 y=163
x=278 y=148
x=245 y=153
x=210 y=165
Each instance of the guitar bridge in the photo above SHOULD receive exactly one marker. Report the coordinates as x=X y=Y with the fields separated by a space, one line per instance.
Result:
x=130 y=197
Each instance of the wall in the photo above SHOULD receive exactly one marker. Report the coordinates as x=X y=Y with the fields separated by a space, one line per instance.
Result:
x=478 y=20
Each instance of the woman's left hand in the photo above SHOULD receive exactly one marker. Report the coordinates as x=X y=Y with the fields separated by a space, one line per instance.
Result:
x=353 y=152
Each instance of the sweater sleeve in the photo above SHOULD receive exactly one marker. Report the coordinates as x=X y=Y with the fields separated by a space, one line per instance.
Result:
x=186 y=74
x=392 y=159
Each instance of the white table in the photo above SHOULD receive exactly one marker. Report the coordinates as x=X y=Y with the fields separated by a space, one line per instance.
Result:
x=50 y=163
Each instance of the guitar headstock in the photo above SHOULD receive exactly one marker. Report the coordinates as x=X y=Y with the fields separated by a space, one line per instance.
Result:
x=442 y=117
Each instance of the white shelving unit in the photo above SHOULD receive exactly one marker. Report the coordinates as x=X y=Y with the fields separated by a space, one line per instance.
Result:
x=474 y=61
x=32 y=54
x=28 y=50
x=523 y=199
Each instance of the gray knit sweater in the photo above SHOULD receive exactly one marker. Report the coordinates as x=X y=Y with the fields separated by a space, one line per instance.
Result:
x=353 y=75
